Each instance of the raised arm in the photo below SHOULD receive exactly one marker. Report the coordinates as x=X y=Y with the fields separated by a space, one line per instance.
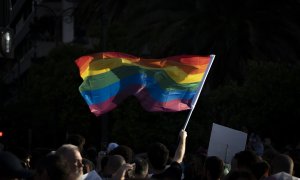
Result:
x=121 y=172
x=180 y=151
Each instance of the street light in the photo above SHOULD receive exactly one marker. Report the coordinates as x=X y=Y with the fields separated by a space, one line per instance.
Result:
x=6 y=33
x=6 y=41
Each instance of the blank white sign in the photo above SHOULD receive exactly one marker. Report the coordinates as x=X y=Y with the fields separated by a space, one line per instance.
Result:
x=226 y=142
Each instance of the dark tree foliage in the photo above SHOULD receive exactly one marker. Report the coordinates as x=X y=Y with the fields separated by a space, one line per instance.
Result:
x=236 y=31
x=266 y=103
x=48 y=101
x=253 y=81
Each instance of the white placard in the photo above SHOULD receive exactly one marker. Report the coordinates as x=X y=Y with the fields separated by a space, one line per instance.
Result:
x=226 y=142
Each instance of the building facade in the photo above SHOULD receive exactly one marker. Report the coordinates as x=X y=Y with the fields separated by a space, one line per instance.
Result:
x=38 y=26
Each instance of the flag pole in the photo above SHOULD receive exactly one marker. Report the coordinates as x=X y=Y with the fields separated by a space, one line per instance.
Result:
x=195 y=99
x=188 y=119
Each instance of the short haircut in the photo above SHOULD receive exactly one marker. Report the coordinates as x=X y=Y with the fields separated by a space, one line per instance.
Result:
x=158 y=155
x=125 y=151
x=141 y=167
x=282 y=162
x=66 y=149
x=246 y=159
x=114 y=162
x=214 y=166
x=260 y=169
x=87 y=163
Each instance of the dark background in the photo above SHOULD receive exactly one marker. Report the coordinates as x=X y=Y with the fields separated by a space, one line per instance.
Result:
x=254 y=81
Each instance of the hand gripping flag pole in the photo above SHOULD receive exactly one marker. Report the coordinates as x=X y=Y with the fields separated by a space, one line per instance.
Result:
x=195 y=99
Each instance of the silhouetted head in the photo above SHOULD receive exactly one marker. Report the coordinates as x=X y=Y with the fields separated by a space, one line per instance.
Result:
x=282 y=163
x=244 y=159
x=114 y=162
x=213 y=167
x=141 y=168
x=158 y=155
x=72 y=154
x=125 y=151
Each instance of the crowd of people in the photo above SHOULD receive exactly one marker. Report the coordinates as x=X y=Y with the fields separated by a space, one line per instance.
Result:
x=71 y=161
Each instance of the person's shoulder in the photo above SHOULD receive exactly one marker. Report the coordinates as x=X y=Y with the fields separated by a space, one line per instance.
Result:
x=282 y=176
x=174 y=171
x=92 y=175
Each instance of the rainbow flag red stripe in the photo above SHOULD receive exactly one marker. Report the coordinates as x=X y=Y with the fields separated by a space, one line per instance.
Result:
x=167 y=84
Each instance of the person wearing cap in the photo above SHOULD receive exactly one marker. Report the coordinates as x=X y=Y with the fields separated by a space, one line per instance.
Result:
x=11 y=167
x=111 y=146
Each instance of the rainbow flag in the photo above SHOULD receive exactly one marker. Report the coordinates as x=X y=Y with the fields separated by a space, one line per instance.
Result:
x=167 y=84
